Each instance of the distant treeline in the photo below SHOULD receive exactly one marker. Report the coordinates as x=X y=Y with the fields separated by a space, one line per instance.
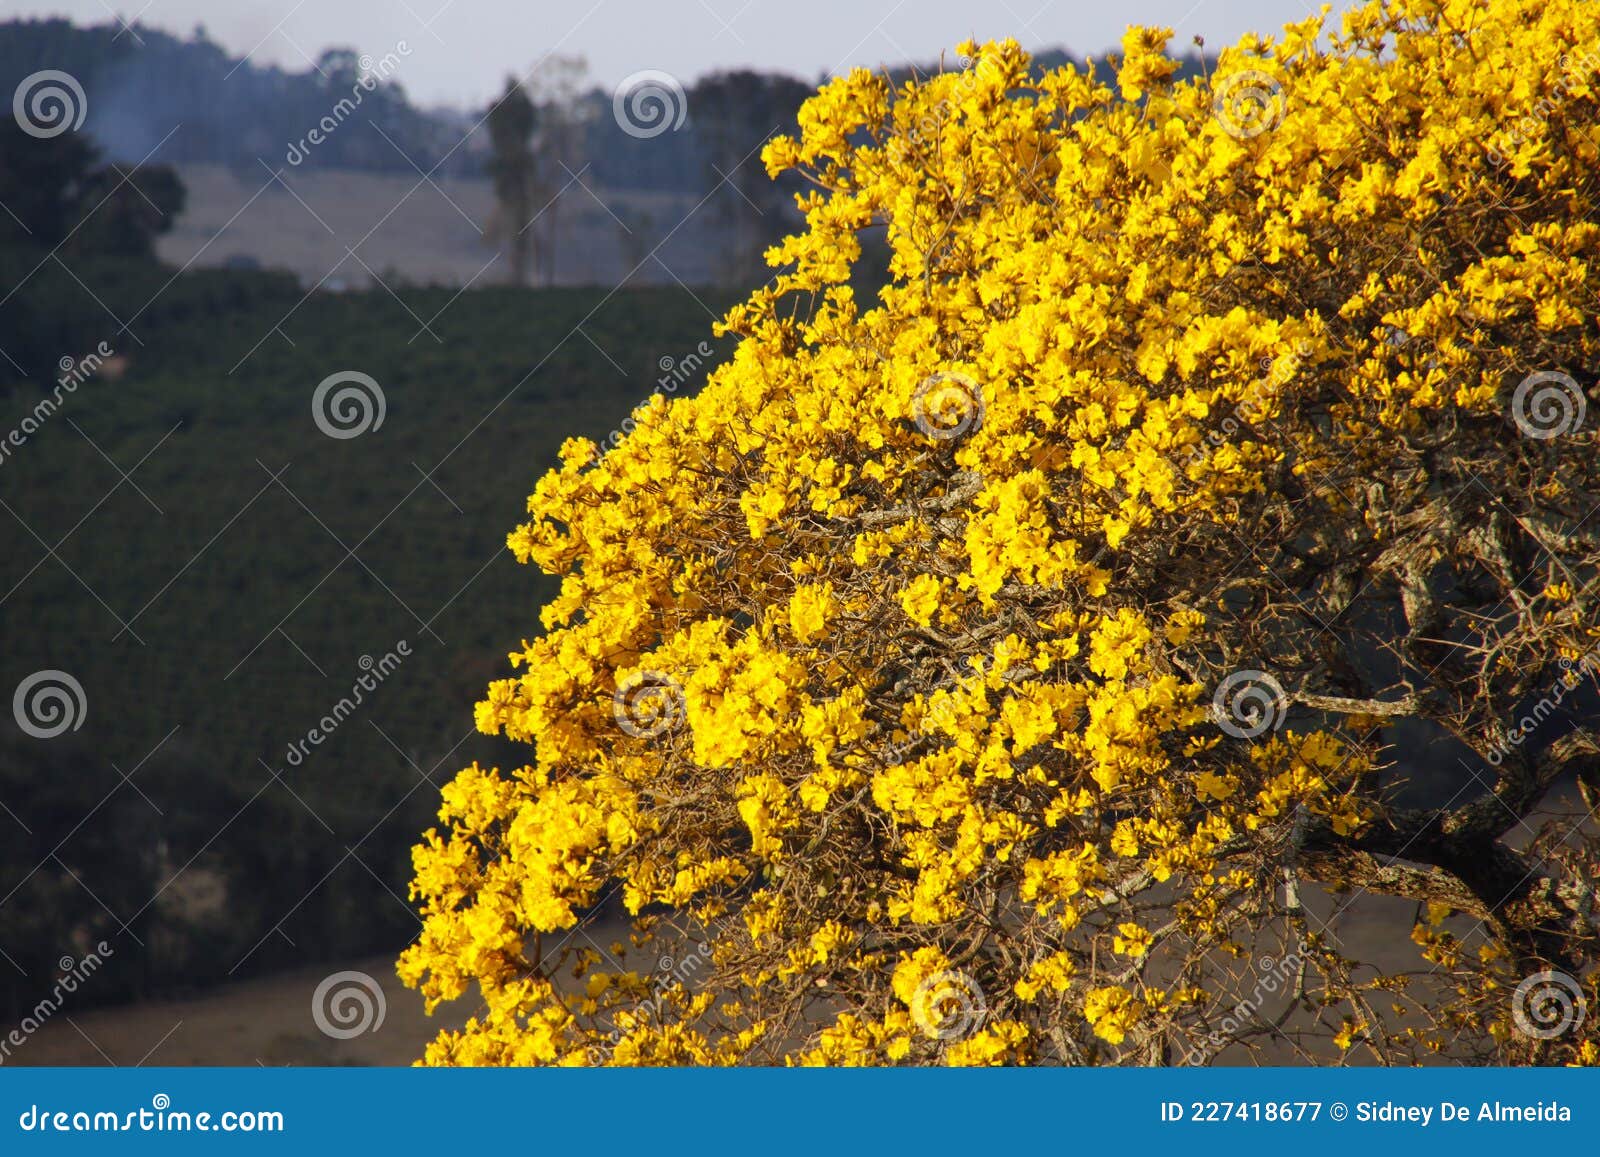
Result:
x=142 y=83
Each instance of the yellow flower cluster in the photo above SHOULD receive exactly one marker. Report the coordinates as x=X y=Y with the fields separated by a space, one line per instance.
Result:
x=929 y=701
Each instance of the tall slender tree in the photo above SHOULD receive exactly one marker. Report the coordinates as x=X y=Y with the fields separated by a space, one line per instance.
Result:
x=512 y=120
x=562 y=117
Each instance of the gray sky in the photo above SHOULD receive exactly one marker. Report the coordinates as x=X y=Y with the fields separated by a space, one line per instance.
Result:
x=459 y=50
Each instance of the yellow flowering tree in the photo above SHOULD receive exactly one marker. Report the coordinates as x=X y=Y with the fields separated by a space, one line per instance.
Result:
x=1024 y=666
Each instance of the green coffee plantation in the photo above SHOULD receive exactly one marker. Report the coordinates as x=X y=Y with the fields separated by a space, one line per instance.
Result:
x=216 y=603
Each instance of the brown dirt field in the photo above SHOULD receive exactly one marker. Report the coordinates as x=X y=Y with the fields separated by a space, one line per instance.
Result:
x=264 y=1022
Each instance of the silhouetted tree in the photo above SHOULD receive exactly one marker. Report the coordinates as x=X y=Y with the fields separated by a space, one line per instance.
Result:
x=42 y=184
x=512 y=169
x=734 y=114
x=55 y=191
x=125 y=209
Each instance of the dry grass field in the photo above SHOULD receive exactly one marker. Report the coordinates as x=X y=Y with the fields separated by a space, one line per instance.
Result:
x=343 y=229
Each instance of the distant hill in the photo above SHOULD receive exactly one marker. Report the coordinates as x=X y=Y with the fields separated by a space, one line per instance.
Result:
x=194 y=103
x=143 y=85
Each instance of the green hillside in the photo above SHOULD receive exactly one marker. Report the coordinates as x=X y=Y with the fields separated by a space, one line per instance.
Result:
x=223 y=595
